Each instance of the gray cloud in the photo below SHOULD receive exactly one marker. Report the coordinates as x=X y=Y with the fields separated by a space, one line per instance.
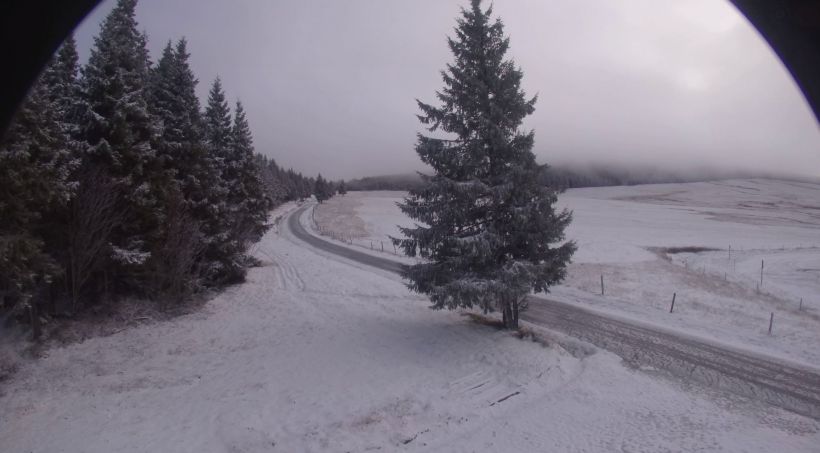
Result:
x=329 y=86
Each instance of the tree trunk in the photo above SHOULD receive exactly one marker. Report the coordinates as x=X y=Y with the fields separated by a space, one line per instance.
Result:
x=510 y=314
x=515 y=311
x=36 y=331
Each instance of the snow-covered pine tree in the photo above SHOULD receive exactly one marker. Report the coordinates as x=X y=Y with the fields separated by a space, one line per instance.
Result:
x=61 y=85
x=217 y=120
x=342 y=187
x=120 y=131
x=223 y=253
x=273 y=179
x=247 y=194
x=487 y=228
x=320 y=189
x=35 y=164
x=182 y=142
x=306 y=186
x=188 y=196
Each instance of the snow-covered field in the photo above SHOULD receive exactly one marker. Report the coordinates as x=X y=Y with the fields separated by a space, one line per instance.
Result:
x=313 y=354
x=621 y=233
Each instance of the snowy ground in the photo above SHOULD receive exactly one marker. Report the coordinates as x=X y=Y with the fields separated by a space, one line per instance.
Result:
x=620 y=232
x=313 y=354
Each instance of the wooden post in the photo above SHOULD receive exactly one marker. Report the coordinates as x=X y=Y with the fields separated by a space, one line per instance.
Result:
x=371 y=245
x=602 y=284
x=801 y=304
x=395 y=252
x=35 y=322
x=771 y=321
x=382 y=246
x=672 y=308
x=730 y=252
x=761 y=273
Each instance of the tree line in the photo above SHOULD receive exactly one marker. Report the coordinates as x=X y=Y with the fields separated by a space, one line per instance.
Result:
x=116 y=182
x=571 y=176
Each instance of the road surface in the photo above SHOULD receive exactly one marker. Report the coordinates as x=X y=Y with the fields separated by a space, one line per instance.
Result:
x=780 y=383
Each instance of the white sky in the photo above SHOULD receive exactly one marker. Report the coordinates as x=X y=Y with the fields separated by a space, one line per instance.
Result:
x=330 y=86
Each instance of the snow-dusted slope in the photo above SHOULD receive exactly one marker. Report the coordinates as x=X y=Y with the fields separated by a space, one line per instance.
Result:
x=313 y=354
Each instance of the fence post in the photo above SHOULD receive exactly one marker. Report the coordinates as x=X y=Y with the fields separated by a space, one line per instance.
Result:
x=382 y=245
x=761 y=273
x=672 y=308
x=602 y=284
x=801 y=304
x=771 y=321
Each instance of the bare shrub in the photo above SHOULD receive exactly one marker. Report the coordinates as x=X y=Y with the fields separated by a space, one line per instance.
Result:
x=94 y=215
x=174 y=266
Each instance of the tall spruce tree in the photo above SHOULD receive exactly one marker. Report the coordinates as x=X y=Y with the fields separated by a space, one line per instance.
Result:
x=120 y=132
x=487 y=227
x=35 y=165
x=223 y=253
x=61 y=85
x=321 y=189
x=273 y=179
x=247 y=196
x=190 y=199
x=182 y=141
x=218 y=120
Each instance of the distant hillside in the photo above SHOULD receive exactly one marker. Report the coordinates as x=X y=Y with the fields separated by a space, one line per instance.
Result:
x=574 y=176
x=568 y=176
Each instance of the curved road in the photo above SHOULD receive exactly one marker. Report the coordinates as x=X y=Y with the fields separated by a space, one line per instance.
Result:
x=777 y=382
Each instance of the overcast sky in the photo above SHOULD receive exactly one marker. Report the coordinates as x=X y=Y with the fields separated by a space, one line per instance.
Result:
x=329 y=86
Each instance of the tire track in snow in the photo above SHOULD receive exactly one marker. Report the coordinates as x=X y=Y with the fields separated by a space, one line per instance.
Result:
x=774 y=381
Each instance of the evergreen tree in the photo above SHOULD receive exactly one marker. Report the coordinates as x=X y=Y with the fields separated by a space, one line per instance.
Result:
x=273 y=178
x=306 y=186
x=120 y=132
x=247 y=195
x=35 y=165
x=182 y=142
x=221 y=254
x=218 y=120
x=342 y=188
x=488 y=224
x=321 y=189
x=61 y=85
x=190 y=169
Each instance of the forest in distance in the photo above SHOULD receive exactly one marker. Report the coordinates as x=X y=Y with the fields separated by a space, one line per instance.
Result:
x=573 y=176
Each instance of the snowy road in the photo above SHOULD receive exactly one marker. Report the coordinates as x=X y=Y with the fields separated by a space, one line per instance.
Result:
x=777 y=382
